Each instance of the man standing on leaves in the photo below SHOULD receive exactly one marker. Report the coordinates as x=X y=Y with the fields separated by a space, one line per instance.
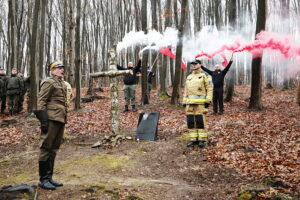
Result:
x=197 y=97
x=52 y=113
x=218 y=81
x=130 y=82
x=3 y=80
x=13 y=90
x=22 y=92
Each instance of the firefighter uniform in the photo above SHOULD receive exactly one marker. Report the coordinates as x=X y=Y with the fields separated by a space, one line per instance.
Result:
x=197 y=95
x=52 y=105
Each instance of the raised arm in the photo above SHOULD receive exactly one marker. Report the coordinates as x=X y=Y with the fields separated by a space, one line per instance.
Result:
x=206 y=70
x=227 y=67
x=138 y=66
x=119 y=67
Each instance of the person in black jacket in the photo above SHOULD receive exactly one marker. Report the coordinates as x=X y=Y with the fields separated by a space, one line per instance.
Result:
x=130 y=82
x=218 y=82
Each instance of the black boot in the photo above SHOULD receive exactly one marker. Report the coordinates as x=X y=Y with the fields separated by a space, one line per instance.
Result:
x=191 y=143
x=125 y=109
x=51 y=167
x=45 y=176
x=133 y=108
x=201 y=143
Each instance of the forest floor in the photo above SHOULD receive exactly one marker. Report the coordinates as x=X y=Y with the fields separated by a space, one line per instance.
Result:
x=250 y=154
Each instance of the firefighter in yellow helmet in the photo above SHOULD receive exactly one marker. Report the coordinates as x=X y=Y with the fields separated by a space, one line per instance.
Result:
x=197 y=97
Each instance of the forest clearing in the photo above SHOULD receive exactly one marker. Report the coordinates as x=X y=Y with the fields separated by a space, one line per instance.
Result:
x=245 y=149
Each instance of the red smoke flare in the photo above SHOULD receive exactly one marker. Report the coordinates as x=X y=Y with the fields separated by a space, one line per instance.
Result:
x=264 y=40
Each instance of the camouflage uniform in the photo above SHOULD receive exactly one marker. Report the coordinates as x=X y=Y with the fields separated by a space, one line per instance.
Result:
x=13 y=90
x=22 y=94
x=3 y=80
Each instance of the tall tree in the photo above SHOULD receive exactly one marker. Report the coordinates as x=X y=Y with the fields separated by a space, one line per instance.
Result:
x=163 y=68
x=145 y=93
x=231 y=75
x=42 y=38
x=176 y=86
x=33 y=58
x=256 y=79
x=12 y=35
x=78 y=56
x=155 y=27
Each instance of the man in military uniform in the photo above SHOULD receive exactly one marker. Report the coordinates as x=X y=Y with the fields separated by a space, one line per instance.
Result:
x=22 y=92
x=3 y=80
x=197 y=97
x=13 y=90
x=52 y=113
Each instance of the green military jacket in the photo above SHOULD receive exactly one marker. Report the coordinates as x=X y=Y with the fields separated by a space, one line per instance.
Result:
x=13 y=85
x=52 y=97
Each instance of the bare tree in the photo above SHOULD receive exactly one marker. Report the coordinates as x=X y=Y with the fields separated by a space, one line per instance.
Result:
x=231 y=75
x=145 y=93
x=33 y=56
x=176 y=86
x=256 y=81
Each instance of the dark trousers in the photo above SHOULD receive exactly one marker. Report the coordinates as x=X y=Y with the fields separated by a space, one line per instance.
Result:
x=13 y=101
x=3 y=103
x=51 y=141
x=218 y=100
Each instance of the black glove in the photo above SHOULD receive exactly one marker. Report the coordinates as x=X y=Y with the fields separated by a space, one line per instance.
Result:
x=43 y=117
x=44 y=126
x=206 y=105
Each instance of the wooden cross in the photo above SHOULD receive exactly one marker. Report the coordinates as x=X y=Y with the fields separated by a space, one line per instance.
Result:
x=113 y=73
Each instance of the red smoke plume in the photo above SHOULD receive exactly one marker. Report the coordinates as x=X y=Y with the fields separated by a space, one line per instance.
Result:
x=264 y=40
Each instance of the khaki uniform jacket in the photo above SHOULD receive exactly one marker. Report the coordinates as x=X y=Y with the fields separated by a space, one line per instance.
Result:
x=52 y=97
x=198 y=88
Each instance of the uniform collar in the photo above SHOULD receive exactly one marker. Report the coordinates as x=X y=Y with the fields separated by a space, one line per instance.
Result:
x=197 y=71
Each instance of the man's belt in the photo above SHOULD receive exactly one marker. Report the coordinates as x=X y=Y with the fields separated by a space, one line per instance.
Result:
x=58 y=102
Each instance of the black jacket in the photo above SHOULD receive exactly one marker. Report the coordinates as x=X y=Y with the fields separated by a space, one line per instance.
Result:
x=218 y=75
x=131 y=79
x=151 y=75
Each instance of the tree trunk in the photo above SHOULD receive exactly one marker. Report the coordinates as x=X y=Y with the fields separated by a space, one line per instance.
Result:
x=12 y=38
x=232 y=72
x=163 y=67
x=78 y=57
x=175 y=94
x=41 y=64
x=256 y=80
x=145 y=93
x=155 y=27
x=33 y=56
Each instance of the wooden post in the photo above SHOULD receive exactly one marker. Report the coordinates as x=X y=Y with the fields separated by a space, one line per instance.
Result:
x=113 y=73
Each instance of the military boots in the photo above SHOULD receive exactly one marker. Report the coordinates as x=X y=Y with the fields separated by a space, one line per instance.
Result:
x=44 y=172
x=51 y=167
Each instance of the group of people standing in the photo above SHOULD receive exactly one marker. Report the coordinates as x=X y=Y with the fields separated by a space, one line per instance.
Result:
x=12 y=89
